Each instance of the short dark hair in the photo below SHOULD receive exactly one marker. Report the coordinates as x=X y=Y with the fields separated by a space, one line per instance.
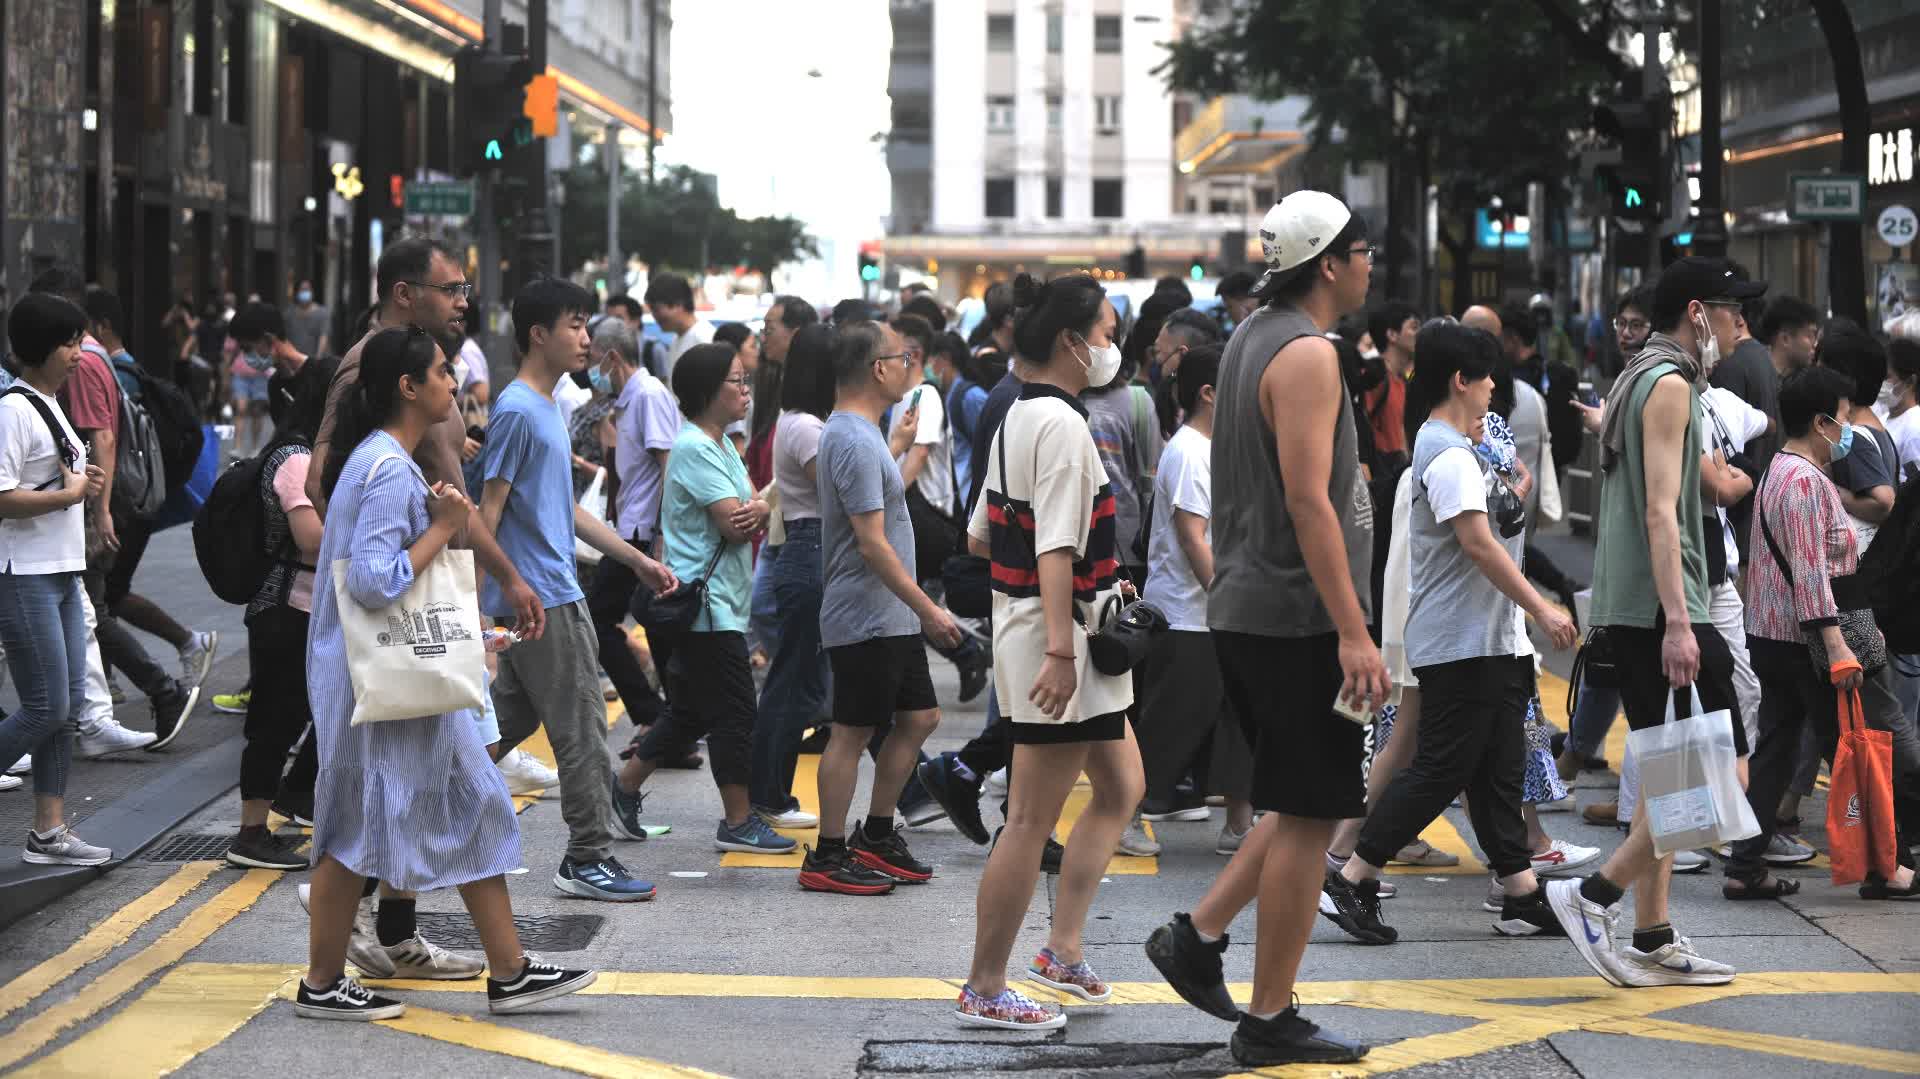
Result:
x=1193 y=328
x=1786 y=314
x=1174 y=288
x=794 y=312
x=257 y=320
x=625 y=303
x=849 y=311
x=1810 y=392
x=854 y=353
x=918 y=329
x=732 y=333
x=1903 y=357
x=1070 y=303
x=926 y=307
x=1443 y=349
x=1235 y=285
x=1516 y=321
x=1855 y=353
x=300 y=418
x=1386 y=316
x=670 y=289
x=1639 y=297
x=1293 y=284
x=810 y=379
x=407 y=260
x=954 y=348
x=41 y=322
x=103 y=309
x=697 y=376
x=63 y=281
x=1199 y=368
x=544 y=301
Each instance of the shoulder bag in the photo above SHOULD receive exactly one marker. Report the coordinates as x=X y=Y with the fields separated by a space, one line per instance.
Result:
x=678 y=610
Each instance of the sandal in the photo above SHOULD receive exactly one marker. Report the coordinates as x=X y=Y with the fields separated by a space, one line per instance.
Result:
x=1767 y=887
x=1420 y=852
x=1877 y=887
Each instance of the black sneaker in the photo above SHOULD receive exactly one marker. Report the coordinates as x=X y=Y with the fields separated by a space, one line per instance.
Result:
x=1288 y=1038
x=1528 y=916
x=258 y=848
x=170 y=711
x=296 y=807
x=537 y=981
x=957 y=796
x=889 y=855
x=1192 y=966
x=974 y=675
x=834 y=870
x=1050 y=854
x=1356 y=909
x=344 y=999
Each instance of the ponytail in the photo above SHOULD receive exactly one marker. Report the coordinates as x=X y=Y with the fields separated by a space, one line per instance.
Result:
x=353 y=422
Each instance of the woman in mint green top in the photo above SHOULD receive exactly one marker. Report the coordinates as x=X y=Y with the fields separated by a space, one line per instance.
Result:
x=707 y=485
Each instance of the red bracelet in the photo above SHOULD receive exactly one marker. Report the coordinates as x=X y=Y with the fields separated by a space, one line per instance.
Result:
x=1058 y=655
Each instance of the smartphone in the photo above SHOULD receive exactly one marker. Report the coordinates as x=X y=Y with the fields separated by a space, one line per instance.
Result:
x=1587 y=396
x=914 y=405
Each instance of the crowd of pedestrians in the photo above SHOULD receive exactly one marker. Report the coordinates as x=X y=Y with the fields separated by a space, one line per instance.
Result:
x=795 y=517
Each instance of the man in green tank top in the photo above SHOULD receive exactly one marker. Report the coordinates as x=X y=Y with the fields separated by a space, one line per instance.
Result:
x=1650 y=595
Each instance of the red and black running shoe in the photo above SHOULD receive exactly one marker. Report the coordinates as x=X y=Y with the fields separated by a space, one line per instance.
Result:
x=836 y=871
x=890 y=856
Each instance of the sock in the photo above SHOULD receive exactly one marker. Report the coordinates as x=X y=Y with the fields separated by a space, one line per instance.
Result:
x=393 y=921
x=252 y=829
x=1266 y=1017
x=1205 y=938
x=1653 y=937
x=879 y=827
x=960 y=769
x=1335 y=863
x=829 y=843
x=1598 y=889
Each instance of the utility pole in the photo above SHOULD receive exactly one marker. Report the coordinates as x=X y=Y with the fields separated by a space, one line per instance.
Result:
x=616 y=265
x=653 y=85
x=1653 y=80
x=487 y=232
x=1710 y=232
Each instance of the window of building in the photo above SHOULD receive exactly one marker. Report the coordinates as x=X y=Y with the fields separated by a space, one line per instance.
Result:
x=1056 y=31
x=1053 y=196
x=999 y=114
x=1053 y=112
x=1219 y=206
x=1109 y=197
x=1106 y=113
x=1000 y=198
x=1106 y=33
x=999 y=33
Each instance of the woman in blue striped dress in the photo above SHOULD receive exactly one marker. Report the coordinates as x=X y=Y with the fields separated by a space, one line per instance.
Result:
x=416 y=803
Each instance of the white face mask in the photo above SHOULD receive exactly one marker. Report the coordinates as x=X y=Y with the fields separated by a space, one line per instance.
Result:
x=1709 y=346
x=1370 y=354
x=1890 y=393
x=1103 y=362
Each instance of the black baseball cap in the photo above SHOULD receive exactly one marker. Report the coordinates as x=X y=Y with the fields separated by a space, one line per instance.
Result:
x=1699 y=277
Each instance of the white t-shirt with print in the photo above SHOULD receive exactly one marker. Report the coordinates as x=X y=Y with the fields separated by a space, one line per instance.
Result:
x=935 y=481
x=1185 y=482
x=51 y=542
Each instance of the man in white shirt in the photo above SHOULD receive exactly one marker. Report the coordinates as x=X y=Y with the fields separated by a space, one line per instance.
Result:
x=670 y=299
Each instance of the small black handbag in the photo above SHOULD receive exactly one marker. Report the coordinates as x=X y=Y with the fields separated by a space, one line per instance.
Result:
x=1123 y=635
x=969 y=585
x=676 y=611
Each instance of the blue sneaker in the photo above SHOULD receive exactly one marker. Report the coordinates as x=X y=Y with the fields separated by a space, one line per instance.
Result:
x=753 y=837
x=605 y=879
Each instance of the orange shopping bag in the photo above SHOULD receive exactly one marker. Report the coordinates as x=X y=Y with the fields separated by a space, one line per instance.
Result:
x=1860 y=802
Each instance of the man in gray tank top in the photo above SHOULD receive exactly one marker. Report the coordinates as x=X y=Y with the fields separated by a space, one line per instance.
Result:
x=1288 y=607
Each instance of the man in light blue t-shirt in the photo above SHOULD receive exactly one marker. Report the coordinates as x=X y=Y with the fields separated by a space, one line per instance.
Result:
x=527 y=502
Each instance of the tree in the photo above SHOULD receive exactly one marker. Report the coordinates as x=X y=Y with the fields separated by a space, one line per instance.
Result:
x=677 y=224
x=1492 y=93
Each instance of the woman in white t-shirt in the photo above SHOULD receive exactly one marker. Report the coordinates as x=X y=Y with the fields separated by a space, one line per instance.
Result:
x=1901 y=394
x=1046 y=520
x=44 y=478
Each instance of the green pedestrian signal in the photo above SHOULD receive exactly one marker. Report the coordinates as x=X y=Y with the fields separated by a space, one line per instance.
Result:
x=1633 y=197
x=869 y=273
x=493 y=151
x=1197 y=271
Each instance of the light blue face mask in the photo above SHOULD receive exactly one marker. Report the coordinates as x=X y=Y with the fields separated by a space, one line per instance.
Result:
x=602 y=382
x=1845 y=445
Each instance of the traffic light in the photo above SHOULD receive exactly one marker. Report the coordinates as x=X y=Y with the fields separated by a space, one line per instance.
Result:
x=869 y=267
x=1636 y=187
x=491 y=107
x=1197 y=270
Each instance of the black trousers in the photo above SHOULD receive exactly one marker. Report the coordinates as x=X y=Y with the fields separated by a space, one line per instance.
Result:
x=1644 y=690
x=607 y=602
x=1472 y=737
x=713 y=695
x=118 y=648
x=1793 y=695
x=277 y=712
x=1184 y=724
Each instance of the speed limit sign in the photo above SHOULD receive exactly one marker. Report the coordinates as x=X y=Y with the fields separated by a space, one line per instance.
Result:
x=1898 y=226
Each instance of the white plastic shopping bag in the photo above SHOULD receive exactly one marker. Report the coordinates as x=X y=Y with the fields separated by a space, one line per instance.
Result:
x=1689 y=781
x=594 y=501
x=420 y=655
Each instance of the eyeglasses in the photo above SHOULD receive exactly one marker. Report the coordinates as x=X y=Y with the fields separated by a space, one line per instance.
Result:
x=743 y=382
x=461 y=289
x=1368 y=251
x=890 y=356
x=1630 y=325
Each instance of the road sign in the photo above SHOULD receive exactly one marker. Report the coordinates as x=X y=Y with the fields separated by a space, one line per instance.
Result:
x=1820 y=196
x=1898 y=226
x=442 y=198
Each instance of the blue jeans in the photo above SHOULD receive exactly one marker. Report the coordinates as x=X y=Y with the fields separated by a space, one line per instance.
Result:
x=796 y=686
x=763 y=620
x=43 y=624
x=1593 y=716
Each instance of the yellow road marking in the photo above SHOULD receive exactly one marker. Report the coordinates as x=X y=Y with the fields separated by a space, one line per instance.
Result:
x=1858 y=1056
x=192 y=1009
x=1119 y=864
x=121 y=979
x=526 y=1045
x=103 y=938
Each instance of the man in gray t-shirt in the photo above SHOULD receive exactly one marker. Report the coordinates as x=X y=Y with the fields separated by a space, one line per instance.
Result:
x=307 y=322
x=857 y=475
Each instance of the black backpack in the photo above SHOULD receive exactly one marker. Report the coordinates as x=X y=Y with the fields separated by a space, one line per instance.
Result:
x=175 y=422
x=230 y=530
x=1890 y=572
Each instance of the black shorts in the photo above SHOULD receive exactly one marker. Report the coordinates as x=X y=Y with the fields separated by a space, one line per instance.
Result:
x=879 y=678
x=1306 y=760
x=1644 y=688
x=1108 y=728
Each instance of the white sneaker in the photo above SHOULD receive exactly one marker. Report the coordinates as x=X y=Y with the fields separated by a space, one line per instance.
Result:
x=525 y=774
x=1783 y=849
x=1136 y=843
x=62 y=848
x=8 y=782
x=22 y=766
x=789 y=818
x=995 y=785
x=418 y=957
x=1590 y=926
x=1674 y=964
x=363 y=947
x=108 y=737
x=1564 y=857
x=1230 y=840
x=1562 y=805
x=1689 y=861
x=196 y=659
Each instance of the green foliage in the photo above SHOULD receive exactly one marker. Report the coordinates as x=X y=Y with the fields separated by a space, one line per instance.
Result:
x=666 y=226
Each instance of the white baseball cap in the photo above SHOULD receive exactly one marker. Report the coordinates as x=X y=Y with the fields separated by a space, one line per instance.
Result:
x=1298 y=228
